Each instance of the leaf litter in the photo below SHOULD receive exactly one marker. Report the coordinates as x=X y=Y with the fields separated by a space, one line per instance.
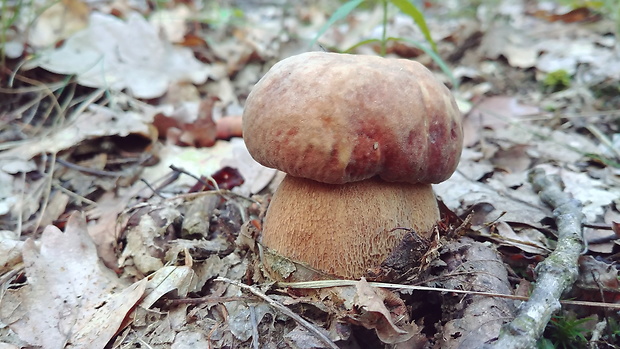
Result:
x=166 y=239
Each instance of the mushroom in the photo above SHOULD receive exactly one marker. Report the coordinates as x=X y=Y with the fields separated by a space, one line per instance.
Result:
x=361 y=139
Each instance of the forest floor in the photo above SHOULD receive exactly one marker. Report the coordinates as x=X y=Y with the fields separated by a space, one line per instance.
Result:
x=117 y=118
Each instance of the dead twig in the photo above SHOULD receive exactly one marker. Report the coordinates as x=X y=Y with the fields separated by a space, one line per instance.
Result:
x=344 y=283
x=88 y=170
x=254 y=321
x=556 y=274
x=209 y=300
x=46 y=194
x=303 y=322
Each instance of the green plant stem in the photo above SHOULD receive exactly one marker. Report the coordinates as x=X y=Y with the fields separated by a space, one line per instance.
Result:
x=384 y=35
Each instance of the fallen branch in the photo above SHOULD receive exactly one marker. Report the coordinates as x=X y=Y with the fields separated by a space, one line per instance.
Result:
x=556 y=274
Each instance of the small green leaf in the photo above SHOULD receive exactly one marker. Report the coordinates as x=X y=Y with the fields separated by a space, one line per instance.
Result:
x=361 y=43
x=340 y=13
x=412 y=11
x=544 y=343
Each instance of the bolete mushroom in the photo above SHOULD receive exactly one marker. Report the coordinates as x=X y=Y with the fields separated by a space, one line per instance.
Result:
x=361 y=139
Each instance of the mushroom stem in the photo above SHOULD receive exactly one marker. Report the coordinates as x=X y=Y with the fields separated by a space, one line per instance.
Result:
x=343 y=230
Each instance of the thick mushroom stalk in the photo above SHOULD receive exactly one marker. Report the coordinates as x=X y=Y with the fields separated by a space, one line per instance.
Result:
x=361 y=139
x=342 y=230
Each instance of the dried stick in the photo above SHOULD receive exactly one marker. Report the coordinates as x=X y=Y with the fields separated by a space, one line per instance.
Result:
x=556 y=274
x=288 y=312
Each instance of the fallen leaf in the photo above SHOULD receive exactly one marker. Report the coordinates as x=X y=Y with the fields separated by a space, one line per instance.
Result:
x=528 y=240
x=240 y=316
x=199 y=131
x=171 y=22
x=190 y=340
x=593 y=194
x=97 y=122
x=144 y=247
x=105 y=223
x=514 y=43
x=10 y=251
x=578 y=14
x=205 y=161
x=9 y=197
x=55 y=207
x=493 y=113
x=115 y=54
x=301 y=338
x=228 y=127
x=513 y=158
x=598 y=280
x=460 y=192
x=604 y=240
x=226 y=178
x=58 y=22
x=70 y=296
x=469 y=321
x=166 y=279
x=375 y=315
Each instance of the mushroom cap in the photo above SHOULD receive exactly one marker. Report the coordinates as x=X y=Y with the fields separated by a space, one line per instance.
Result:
x=338 y=118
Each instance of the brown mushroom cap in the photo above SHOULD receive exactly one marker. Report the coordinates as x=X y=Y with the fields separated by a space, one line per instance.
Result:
x=338 y=118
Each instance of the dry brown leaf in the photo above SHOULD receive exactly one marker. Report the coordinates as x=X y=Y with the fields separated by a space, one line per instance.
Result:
x=105 y=226
x=469 y=321
x=206 y=161
x=228 y=127
x=528 y=239
x=459 y=193
x=172 y=23
x=515 y=44
x=301 y=338
x=578 y=14
x=55 y=208
x=121 y=54
x=375 y=315
x=604 y=240
x=513 y=158
x=70 y=296
x=493 y=113
x=58 y=22
x=145 y=241
x=199 y=131
x=594 y=194
x=498 y=111
x=10 y=251
x=166 y=279
x=97 y=122
x=190 y=340
x=598 y=280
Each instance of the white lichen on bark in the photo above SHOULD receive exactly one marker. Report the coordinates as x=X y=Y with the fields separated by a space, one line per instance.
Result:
x=555 y=275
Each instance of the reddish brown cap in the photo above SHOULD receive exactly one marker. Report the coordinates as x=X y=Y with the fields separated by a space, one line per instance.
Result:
x=338 y=118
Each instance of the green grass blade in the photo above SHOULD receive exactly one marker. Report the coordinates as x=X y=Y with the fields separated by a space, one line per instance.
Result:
x=412 y=11
x=440 y=62
x=339 y=14
x=361 y=43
